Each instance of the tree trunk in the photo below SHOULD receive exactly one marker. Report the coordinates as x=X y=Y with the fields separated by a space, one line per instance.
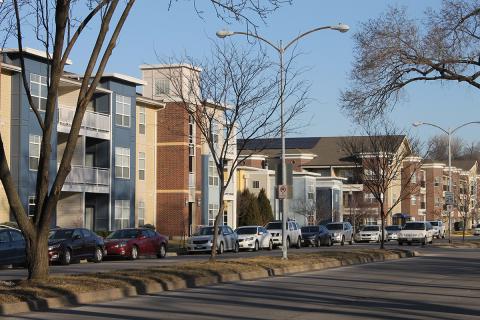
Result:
x=37 y=257
x=382 y=240
x=464 y=227
x=213 y=253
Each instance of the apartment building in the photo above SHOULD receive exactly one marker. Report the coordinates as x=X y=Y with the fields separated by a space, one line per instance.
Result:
x=100 y=191
x=187 y=187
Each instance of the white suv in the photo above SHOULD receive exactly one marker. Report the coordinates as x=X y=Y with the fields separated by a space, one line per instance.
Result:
x=341 y=232
x=438 y=229
x=421 y=232
x=294 y=233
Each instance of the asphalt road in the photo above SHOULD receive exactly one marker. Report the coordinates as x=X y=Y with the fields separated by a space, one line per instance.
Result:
x=442 y=284
x=108 y=265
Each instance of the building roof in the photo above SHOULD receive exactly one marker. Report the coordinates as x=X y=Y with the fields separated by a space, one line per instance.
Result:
x=329 y=151
x=464 y=164
x=125 y=77
x=33 y=52
x=168 y=66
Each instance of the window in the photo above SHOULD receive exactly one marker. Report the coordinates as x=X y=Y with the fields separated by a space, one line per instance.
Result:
x=437 y=181
x=311 y=191
x=34 y=151
x=162 y=86
x=413 y=200
x=214 y=134
x=369 y=197
x=256 y=184
x=212 y=174
x=122 y=163
x=225 y=219
x=212 y=212
x=141 y=166
x=414 y=178
x=16 y=236
x=122 y=214
x=141 y=120
x=141 y=213
x=31 y=206
x=123 y=111
x=38 y=90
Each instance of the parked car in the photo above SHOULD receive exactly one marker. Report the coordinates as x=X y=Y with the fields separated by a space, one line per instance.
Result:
x=293 y=236
x=370 y=233
x=341 y=232
x=12 y=247
x=316 y=235
x=476 y=230
x=421 y=232
x=132 y=243
x=438 y=229
x=67 y=245
x=254 y=238
x=392 y=232
x=202 y=241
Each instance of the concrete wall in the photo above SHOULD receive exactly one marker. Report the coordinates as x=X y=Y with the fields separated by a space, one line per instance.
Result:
x=5 y=116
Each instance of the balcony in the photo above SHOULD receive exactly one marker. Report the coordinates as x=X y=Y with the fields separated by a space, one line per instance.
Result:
x=94 y=124
x=88 y=179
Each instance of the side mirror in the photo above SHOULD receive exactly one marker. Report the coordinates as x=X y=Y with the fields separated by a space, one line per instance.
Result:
x=76 y=237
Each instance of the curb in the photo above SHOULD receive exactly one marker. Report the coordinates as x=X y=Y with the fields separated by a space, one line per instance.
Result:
x=155 y=287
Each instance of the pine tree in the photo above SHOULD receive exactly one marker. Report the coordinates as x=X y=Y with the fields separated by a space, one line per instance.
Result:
x=266 y=212
x=247 y=209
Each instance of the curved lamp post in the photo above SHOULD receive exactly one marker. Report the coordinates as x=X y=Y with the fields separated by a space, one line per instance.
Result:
x=448 y=132
x=281 y=50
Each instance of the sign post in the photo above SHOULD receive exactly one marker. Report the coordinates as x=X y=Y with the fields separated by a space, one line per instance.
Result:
x=282 y=191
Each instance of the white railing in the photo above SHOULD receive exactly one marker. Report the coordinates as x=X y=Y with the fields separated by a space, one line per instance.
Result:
x=93 y=122
x=82 y=178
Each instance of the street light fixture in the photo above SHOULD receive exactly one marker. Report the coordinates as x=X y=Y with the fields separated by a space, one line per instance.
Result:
x=341 y=27
x=449 y=133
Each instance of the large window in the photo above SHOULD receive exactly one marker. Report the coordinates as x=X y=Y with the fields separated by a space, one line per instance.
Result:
x=122 y=163
x=212 y=213
x=122 y=214
x=256 y=184
x=141 y=166
x=34 y=151
x=38 y=90
x=162 y=86
x=141 y=213
x=413 y=200
x=212 y=174
x=123 y=111
x=141 y=120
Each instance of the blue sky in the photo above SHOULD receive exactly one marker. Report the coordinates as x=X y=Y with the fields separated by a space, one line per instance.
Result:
x=327 y=55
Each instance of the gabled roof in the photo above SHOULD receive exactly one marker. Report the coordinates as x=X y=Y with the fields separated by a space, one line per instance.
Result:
x=329 y=151
x=33 y=52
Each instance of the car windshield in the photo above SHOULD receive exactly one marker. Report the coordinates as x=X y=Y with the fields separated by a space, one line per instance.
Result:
x=206 y=231
x=415 y=226
x=393 y=228
x=252 y=230
x=478 y=225
x=370 y=228
x=124 y=234
x=309 y=229
x=274 y=225
x=335 y=226
x=434 y=223
x=60 y=234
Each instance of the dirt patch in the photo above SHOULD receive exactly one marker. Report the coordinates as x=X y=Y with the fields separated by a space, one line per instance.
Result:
x=57 y=286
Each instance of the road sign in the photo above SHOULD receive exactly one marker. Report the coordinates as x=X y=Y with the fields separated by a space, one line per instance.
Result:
x=448 y=198
x=449 y=207
x=282 y=191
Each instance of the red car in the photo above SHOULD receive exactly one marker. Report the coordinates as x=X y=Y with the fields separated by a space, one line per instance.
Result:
x=132 y=243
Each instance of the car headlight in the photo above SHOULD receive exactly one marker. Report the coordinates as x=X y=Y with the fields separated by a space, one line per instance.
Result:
x=54 y=246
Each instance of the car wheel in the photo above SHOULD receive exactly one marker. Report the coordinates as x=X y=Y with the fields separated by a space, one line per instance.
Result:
x=237 y=247
x=134 y=254
x=98 y=257
x=299 y=243
x=400 y=243
x=256 y=246
x=288 y=242
x=66 y=258
x=270 y=245
x=351 y=241
x=318 y=243
x=424 y=242
x=409 y=243
x=443 y=235
x=220 y=248
x=163 y=251
x=330 y=242
x=343 y=241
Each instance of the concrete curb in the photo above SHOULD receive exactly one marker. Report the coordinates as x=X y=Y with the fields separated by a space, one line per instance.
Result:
x=155 y=287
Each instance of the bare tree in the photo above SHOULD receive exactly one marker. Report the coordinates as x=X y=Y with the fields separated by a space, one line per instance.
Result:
x=385 y=160
x=438 y=147
x=306 y=208
x=393 y=51
x=233 y=101
x=56 y=29
x=463 y=200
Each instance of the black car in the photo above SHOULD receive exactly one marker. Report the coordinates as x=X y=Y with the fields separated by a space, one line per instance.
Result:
x=316 y=235
x=67 y=245
x=12 y=247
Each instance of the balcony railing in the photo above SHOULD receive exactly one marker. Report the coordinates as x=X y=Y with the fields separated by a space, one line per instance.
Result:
x=94 y=124
x=88 y=179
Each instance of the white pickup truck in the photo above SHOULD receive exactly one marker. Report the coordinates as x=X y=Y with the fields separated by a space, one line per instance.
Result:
x=421 y=232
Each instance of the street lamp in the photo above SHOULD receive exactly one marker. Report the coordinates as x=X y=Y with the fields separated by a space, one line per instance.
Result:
x=449 y=133
x=281 y=50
